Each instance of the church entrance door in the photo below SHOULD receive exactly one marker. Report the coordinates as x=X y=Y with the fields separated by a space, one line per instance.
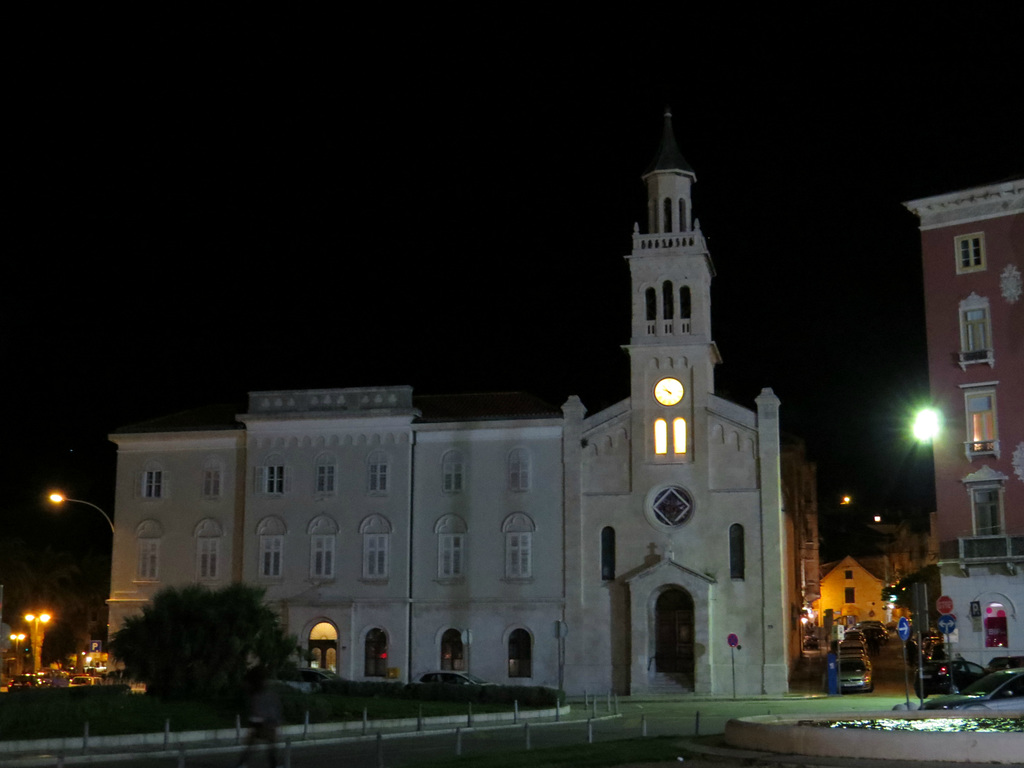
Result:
x=673 y=649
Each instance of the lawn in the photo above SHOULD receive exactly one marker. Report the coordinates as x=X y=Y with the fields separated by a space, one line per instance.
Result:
x=49 y=713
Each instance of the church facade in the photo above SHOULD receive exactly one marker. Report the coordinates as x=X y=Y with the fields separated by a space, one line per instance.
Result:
x=640 y=548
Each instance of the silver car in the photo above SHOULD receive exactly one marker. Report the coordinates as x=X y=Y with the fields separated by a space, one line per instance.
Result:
x=1003 y=690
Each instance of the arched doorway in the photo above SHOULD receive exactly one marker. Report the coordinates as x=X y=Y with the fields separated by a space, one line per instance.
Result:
x=323 y=646
x=673 y=635
x=453 y=655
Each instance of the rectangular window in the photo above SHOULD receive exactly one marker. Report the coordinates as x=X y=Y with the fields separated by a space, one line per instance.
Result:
x=207 y=550
x=982 y=438
x=270 y=556
x=321 y=564
x=975 y=330
x=152 y=484
x=149 y=559
x=518 y=562
x=970 y=252
x=211 y=483
x=848 y=574
x=449 y=559
x=375 y=555
x=378 y=477
x=849 y=595
x=987 y=513
x=273 y=479
x=325 y=478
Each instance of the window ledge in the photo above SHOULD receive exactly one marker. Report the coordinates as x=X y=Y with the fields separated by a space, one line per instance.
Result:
x=517 y=579
x=976 y=357
x=976 y=449
x=378 y=581
x=450 y=580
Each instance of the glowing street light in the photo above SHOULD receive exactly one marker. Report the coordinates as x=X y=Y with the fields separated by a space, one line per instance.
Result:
x=58 y=498
x=37 y=633
x=18 y=639
x=926 y=425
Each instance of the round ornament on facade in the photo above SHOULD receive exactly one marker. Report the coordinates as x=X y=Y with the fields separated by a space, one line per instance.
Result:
x=672 y=506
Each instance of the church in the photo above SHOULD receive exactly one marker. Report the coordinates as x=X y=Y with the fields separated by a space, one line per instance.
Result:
x=643 y=548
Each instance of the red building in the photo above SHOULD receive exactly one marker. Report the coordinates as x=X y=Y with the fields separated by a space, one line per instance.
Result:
x=972 y=244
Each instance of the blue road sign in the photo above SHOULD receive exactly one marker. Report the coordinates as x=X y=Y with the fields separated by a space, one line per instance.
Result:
x=903 y=628
x=947 y=623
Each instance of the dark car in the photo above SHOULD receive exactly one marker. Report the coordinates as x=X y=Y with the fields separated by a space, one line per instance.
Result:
x=937 y=676
x=21 y=682
x=1004 y=662
x=1003 y=690
x=453 y=678
x=309 y=679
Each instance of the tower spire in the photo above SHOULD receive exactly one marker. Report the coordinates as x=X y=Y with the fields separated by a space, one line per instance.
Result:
x=668 y=156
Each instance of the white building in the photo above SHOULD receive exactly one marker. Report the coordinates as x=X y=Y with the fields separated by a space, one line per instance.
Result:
x=397 y=534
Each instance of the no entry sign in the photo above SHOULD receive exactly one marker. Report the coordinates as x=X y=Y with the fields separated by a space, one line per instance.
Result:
x=944 y=604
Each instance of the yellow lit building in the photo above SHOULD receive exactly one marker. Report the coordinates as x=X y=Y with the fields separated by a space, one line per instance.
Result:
x=852 y=592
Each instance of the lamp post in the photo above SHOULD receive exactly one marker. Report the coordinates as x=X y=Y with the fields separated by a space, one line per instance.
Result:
x=58 y=498
x=37 y=633
x=17 y=640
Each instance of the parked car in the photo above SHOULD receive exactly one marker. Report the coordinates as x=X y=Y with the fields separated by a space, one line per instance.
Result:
x=21 y=682
x=1003 y=690
x=453 y=678
x=936 y=676
x=855 y=675
x=1004 y=662
x=80 y=680
x=309 y=679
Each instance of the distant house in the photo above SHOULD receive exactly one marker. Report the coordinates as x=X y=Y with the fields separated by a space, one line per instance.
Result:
x=852 y=592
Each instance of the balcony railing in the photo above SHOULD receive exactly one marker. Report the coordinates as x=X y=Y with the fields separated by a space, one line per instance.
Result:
x=970 y=357
x=975 y=448
x=981 y=550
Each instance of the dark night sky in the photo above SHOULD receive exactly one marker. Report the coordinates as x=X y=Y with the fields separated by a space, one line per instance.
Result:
x=204 y=210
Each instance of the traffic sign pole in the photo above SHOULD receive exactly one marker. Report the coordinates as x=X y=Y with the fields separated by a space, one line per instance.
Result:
x=903 y=630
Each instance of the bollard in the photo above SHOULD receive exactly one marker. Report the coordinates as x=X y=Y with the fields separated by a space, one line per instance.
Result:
x=305 y=725
x=616 y=703
x=469 y=719
x=643 y=725
x=458 y=742
x=85 y=738
x=590 y=731
x=287 y=753
x=380 y=750
x=167 y=732
x=60 y=760
x=558 y=708
x=515 y=711
x=526 y=729
x=419 y=719
x=696 y=723
x=238 y=729
x=364 y=721
x=181 y=756
x=593 y=706
x=608 y=702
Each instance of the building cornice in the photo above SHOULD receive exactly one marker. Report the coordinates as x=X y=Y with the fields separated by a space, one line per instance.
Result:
x=969 y=205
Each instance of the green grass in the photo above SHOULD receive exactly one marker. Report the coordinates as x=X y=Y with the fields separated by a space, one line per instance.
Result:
x=62 y=713
x=609 y=753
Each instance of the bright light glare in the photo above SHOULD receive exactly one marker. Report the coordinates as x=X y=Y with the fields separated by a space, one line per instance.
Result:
x=926 y=425
x=56 y=498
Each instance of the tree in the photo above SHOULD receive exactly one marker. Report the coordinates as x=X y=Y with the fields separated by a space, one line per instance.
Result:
x=196 y=642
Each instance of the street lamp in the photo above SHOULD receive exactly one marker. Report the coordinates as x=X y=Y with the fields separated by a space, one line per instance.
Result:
x=18 y=639
x=926 y=425
x=37 y=637
x=58 y=498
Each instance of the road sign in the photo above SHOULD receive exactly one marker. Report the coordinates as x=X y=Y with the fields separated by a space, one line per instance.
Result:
x=903 y=628
x=944 y=604
x=975 y=609
x=733 y=641
x=947 y=623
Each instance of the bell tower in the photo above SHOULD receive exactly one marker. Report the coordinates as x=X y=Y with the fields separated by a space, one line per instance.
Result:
x=671 y=351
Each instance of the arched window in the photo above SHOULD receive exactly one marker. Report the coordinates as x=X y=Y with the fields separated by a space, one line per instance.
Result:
x=608 y=553
x=375 y=654
x=271 y=531
x=660 y=436
x=453 y=655
x=451 y=553
x=323 y=646
x=148 y=534
x=684 y=302
x=208 y=535
x=682 y=215
x=651 y=302
x=668 y=215
x=323 y=532
x=737 y=552
x=376 y=532
x=453 y=472
x=518 y=529
x=520 y=654
x=679 y=435
x=668 y=308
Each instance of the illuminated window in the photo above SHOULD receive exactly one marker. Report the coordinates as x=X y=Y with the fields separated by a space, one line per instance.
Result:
x=982 y=437
x=970 y=252
x=996 y=634
x=660 y=437
x=679 y=435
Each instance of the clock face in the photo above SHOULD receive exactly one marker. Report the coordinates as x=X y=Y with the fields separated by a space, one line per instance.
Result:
x=668 y=391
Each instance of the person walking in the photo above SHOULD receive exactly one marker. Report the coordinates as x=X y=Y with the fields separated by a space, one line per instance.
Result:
x=264 y=716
